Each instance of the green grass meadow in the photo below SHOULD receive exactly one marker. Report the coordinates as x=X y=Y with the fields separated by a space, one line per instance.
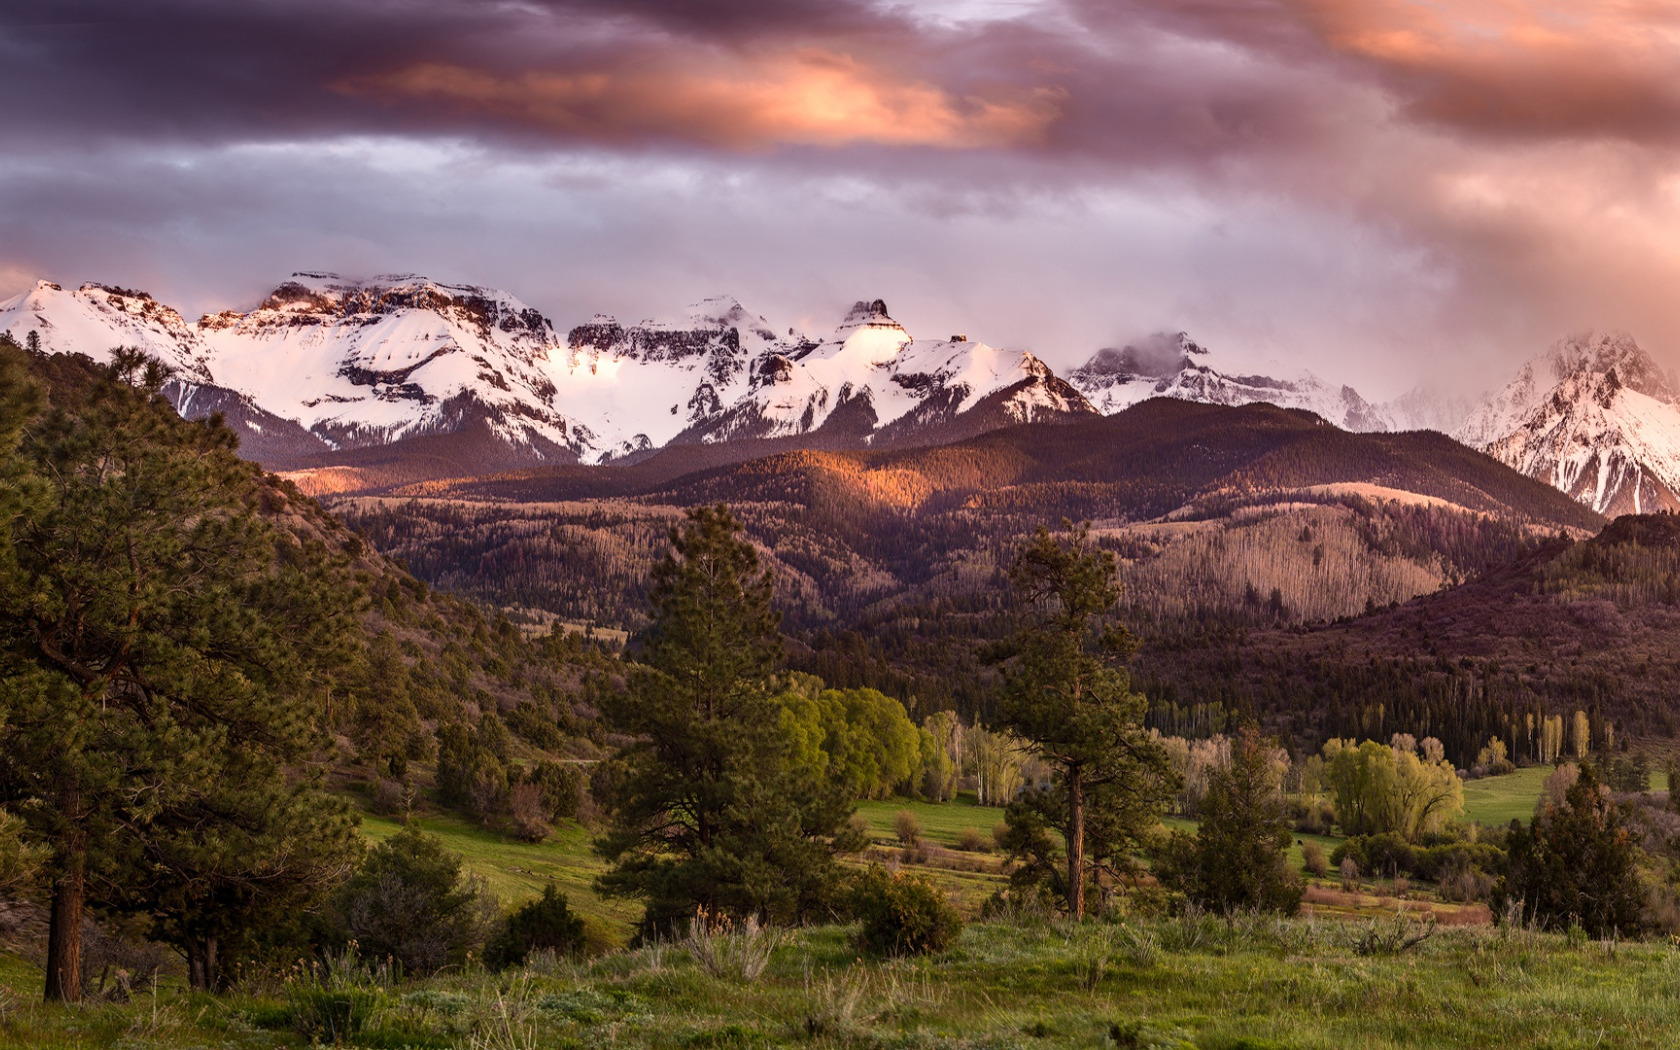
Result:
x=517 y=871
x=1191 y=982
x=1181 y=982
x=1496 y=801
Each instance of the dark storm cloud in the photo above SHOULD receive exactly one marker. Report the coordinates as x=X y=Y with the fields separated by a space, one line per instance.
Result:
x=1513 y=157
x=1127 y=81
x=267 y=69
x=729 y=75
x=1145 y=83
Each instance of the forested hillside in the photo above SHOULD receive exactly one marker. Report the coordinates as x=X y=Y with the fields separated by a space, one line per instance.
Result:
x=197 y=662
x=888 y=562
x=1572 y=626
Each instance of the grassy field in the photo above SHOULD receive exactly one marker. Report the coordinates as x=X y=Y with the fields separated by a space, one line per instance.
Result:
x=1196 y=982
x=517 y=871
x=1494 y=801
x=1186 y=982
x=941 y=822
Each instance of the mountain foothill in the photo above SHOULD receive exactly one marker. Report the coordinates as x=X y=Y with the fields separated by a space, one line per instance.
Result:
x=1290 y=549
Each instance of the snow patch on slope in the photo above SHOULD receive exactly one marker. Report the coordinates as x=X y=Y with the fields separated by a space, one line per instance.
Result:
x=95 y=318
x=369 y=362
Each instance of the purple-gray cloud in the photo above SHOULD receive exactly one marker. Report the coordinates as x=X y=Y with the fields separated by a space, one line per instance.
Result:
x=1375 y=189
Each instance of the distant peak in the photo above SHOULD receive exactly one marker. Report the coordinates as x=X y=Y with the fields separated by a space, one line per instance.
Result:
x=868 y=312
x=111 y=289
x=719 y=310
x=1616 y=356
x=1161 y=354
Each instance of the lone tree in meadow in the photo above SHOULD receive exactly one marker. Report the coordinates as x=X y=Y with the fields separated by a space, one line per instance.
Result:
x=1067 y=692
x=708 y=811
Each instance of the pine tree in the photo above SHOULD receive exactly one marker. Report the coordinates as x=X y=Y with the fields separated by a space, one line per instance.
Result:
x=412 y=903
x=1065 y=690
x=1240 y=856
x=708 y=812
x=157 y=642
x=1577 y=865
x=217 y=875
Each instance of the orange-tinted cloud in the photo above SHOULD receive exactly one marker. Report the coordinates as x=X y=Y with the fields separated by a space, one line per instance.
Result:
x=1586 y=68
x=808 y=97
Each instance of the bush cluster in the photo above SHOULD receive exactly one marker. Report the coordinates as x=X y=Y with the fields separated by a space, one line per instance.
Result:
x=903 y=914
x=545 y=924
x=1390 y=854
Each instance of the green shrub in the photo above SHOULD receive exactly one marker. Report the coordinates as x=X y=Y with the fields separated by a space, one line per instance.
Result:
x=412 y=903
x=546 y=923
x=1313 y=860
x=903 y=914
x=1391 y=855
x=1387 y=853
x=972 y=840
x=909 y=829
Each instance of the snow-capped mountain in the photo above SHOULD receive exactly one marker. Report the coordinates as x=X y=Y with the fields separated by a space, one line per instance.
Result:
x=326 y=363
x=870 y=380
x=94 y=318
x=1429 y=407
x=1168 y=365
x=643 y=385
x=370 y=362
x=1596 y=418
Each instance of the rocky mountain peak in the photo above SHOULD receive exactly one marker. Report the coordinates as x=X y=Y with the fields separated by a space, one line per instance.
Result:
x=1595 y=417
x=1611 y=360
x=1171 y=364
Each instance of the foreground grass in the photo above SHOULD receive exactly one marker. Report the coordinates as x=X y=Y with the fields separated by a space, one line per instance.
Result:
x=1189 y=982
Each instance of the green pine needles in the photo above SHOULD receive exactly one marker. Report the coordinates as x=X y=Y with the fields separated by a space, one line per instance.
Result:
x=709 y=812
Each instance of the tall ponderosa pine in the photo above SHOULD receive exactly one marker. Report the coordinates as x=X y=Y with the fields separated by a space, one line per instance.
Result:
x=155 y=658
x=707 y=809
x=1066 y=691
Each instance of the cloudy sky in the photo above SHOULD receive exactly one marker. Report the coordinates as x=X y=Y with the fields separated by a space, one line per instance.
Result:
x=1384 y=191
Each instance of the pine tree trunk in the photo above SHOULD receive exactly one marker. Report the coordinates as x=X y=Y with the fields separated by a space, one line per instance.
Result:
x=212 y=965
x=1076 y=845
x=64 y=931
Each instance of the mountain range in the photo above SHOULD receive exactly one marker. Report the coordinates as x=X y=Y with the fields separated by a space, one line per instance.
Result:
x=1322 y=565
x=363 y=385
